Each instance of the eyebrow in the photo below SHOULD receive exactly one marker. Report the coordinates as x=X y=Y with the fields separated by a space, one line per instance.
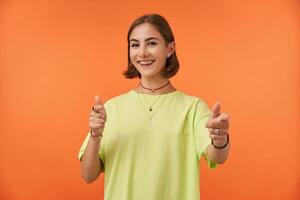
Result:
x=150 y=38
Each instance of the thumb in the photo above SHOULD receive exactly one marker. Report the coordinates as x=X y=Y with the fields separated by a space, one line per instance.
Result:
x=98 y=103
x=216 y=110
x=97 y=100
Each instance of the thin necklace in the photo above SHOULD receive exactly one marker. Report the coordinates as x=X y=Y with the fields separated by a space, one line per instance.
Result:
x=150 y=117
x=154 y=89
x=150 y=106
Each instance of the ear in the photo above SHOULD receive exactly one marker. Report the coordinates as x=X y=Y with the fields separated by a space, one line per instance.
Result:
x=170 y=49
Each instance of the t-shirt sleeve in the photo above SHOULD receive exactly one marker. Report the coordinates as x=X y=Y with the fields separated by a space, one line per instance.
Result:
x=202 y=139
x=101 y=152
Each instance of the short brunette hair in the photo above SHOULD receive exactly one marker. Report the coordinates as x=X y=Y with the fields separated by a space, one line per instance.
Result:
x=161 y=24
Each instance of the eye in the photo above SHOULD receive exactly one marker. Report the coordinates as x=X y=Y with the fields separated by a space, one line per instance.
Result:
x=134 y=45
x=152 y=43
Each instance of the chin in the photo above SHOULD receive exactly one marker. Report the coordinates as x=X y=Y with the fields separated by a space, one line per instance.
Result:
x=147 y=75
x=150 y=72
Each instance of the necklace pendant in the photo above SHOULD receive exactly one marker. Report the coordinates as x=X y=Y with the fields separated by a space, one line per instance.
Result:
x=150 y=109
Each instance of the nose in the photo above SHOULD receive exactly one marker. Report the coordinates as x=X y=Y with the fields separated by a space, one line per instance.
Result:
x=143 y=52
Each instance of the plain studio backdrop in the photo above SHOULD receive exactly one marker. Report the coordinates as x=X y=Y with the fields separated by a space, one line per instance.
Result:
x=55 y=56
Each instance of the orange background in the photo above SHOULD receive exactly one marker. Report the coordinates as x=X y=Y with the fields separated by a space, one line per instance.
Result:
x=55 y=56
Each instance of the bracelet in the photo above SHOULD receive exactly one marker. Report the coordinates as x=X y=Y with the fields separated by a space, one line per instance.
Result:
x=222 y=147
x=94 y=136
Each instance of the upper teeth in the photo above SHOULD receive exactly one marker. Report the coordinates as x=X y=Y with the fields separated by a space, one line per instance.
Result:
x=145 y=62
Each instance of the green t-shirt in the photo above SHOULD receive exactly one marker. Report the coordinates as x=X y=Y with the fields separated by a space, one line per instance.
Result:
x=153 y=155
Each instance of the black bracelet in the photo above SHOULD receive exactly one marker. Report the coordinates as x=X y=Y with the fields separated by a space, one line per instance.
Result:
x=222 y=147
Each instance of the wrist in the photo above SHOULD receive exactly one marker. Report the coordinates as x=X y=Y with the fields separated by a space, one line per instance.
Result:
x=220 y=144
x=95 y=135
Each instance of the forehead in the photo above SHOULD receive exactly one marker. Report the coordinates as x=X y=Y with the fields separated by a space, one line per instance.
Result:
x=144 y=31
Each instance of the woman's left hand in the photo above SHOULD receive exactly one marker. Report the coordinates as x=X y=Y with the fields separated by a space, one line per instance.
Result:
x=218 y=125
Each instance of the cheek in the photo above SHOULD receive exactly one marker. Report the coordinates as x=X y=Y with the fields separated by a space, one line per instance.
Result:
x=161 y=56
x=132 y=54
x=161 y=53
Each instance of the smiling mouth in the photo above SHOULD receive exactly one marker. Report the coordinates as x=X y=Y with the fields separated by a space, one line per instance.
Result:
x=145 y=63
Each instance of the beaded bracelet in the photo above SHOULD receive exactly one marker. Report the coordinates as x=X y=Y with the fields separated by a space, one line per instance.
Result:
x=222 y=147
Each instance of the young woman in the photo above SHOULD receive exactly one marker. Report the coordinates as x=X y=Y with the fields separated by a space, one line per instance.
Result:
x=148 y=141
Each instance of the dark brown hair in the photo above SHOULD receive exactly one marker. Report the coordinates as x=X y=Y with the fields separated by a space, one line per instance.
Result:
x=161 y=24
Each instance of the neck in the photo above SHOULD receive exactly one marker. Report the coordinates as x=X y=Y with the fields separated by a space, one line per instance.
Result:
x=153 y=84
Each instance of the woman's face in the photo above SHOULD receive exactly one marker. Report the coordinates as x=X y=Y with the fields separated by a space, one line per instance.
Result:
x=148 y=50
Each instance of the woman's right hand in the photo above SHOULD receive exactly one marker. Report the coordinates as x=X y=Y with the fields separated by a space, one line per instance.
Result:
x=97 y=118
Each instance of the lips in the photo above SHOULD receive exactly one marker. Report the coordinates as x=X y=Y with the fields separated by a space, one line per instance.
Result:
x=146 y=63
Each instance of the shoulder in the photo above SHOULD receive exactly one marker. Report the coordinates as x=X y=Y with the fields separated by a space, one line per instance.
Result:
x=196 y=106
x=190 y=99
x=125 y=97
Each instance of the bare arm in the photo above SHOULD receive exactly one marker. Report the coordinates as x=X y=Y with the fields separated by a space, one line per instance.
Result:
x=91 y=165
x=218 y=155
